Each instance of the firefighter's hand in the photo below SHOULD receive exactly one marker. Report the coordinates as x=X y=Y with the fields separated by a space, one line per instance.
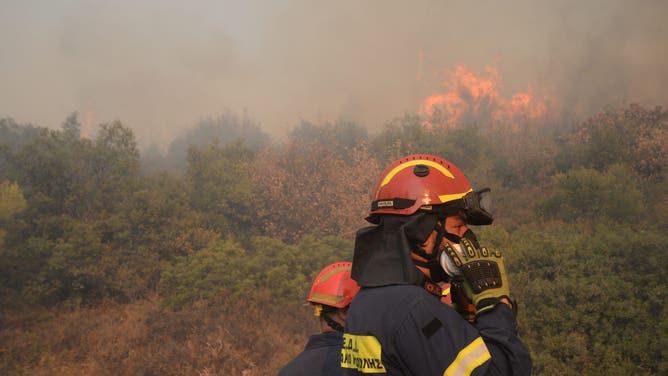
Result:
x=461 y=301
x=484 y=278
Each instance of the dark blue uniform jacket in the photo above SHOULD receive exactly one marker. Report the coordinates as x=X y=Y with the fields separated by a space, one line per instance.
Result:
x=321 y=356
x=404 y=330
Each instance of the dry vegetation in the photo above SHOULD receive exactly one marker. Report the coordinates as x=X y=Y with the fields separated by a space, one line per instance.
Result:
x=254 y=337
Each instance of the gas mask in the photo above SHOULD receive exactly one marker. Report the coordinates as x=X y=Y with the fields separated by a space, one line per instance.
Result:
x=441 y=268
x=445 y=262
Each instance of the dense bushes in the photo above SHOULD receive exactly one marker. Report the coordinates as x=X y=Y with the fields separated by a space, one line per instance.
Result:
x=225 y=267
x=591 y=297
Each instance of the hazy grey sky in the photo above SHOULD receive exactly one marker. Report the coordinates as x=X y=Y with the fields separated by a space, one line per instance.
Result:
x=161 y=65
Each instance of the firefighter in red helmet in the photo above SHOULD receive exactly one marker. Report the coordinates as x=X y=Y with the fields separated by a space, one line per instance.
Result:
x=331 y=294
x=421 y=211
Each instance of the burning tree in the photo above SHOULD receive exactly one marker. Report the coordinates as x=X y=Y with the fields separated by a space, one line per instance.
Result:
x=472 y=98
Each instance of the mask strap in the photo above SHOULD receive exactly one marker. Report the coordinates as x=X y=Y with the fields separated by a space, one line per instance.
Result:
x=433 y=259
x=440 y=232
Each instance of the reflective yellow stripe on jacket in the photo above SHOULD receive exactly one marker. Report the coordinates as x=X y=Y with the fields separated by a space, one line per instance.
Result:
x=470 y=358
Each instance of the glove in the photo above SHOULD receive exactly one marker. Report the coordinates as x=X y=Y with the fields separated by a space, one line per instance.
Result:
x=483 y=280
x=460 y=302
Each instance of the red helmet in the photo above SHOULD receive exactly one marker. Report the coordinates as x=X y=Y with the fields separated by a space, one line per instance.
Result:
x=422 y=181
x=333 y=286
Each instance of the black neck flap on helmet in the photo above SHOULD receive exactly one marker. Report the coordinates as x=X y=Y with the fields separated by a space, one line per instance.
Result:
x=383 y=253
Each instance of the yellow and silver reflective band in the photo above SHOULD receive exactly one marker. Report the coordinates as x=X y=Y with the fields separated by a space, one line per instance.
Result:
x=471 y=357
x=330 y=300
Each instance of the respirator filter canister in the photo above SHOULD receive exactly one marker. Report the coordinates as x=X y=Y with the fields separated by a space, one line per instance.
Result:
x=448 y=265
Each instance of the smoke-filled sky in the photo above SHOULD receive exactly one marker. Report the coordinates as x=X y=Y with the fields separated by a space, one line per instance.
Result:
x=160 y=66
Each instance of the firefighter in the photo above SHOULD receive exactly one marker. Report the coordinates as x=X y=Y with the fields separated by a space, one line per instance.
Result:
x=331 y=294
x=397 y=325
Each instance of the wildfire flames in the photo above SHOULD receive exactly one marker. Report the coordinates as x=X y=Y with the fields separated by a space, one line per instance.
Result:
x=475 y=98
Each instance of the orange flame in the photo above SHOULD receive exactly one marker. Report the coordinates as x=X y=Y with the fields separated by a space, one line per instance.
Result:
x=469 y=97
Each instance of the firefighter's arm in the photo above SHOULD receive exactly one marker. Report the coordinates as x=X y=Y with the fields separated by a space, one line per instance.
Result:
x=485 y=283
x=509 y=356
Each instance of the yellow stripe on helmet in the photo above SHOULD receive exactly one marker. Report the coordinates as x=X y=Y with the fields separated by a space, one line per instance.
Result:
x=403 y=166
x=456 y=196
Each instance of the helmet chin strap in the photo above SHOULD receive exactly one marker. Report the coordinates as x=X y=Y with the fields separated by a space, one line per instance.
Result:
x=332 y=324
x=458 y=239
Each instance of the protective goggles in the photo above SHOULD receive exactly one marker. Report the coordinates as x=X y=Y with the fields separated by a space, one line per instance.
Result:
x=475 y=206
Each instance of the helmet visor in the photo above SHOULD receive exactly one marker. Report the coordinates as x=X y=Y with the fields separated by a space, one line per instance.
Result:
x=477 y=205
